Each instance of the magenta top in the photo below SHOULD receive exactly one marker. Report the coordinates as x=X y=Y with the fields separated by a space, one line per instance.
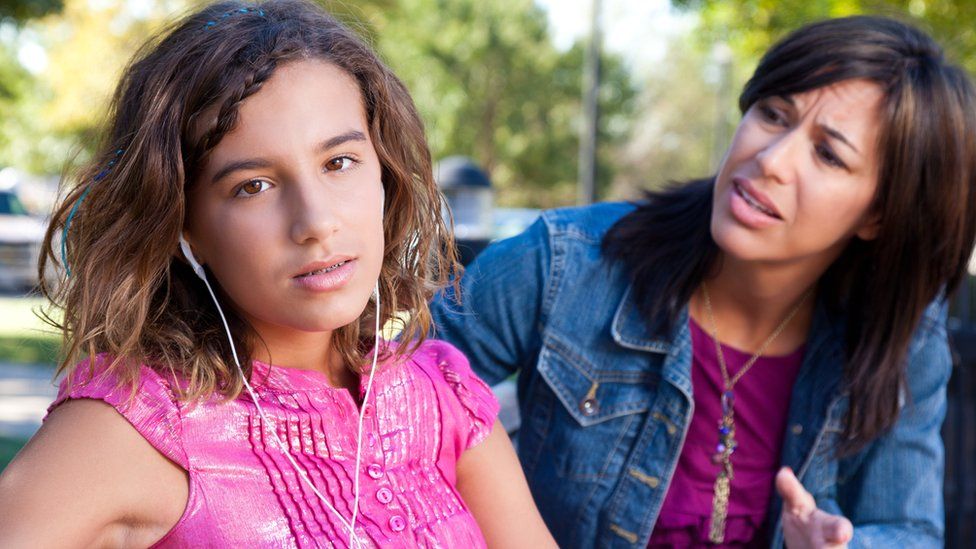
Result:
x=762 y=401
x=423 y=413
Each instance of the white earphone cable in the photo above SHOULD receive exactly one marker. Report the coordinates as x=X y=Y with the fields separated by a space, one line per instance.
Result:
x=359 y=434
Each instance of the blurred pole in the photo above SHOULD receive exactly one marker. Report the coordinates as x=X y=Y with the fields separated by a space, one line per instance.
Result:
x=722 y=57
x=591 y=111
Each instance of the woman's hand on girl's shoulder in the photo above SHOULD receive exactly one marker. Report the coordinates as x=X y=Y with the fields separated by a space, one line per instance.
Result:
x=491 y=482
x=89 y=479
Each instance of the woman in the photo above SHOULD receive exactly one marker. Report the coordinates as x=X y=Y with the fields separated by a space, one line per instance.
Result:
x=786 y=315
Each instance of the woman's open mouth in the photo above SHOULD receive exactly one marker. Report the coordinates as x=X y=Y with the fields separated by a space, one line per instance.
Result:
x=753 y=201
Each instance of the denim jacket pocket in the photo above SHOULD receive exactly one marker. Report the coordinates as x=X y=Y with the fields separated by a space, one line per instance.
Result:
x=602 y=408
x=590 y=394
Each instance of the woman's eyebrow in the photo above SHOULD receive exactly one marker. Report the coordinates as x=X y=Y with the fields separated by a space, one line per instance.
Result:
x=838 y=136
x=832 y=132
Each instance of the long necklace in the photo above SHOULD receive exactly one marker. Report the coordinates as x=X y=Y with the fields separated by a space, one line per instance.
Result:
x=726 y=426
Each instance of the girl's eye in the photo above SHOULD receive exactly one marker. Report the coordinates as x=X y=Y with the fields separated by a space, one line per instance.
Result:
x=829 y=157
x=252 y=187
x=339 y=163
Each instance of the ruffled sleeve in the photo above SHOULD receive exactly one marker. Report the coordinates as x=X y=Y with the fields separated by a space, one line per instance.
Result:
x=152 y=410
x=477 y=408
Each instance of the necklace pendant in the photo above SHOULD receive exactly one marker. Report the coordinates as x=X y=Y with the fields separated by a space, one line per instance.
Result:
x=720 y=509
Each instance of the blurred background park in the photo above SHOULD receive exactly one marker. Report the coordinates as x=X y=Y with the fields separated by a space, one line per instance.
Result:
x=537 y=95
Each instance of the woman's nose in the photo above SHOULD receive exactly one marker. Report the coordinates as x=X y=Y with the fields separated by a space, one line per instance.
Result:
x=777 y=157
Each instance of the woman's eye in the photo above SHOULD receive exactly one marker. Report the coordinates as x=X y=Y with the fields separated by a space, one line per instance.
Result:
x=770 y=114
x=339 y=163
x=829 y=157
x=252 y=187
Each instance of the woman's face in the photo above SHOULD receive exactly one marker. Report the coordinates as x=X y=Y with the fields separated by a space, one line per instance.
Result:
x=800 y=177
x=287 y=211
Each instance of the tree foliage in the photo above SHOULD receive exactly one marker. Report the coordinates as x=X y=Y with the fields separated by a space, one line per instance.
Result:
x=485 y=75
x=22 y=10
x=751 y=26
x=492 y=86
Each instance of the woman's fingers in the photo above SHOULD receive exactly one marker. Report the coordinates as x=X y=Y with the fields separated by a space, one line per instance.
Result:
x=804 y=525
x=836 y=529
x=796 y=500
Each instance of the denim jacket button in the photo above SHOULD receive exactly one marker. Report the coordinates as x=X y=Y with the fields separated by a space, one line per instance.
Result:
x=589 y=407
x=797 y=429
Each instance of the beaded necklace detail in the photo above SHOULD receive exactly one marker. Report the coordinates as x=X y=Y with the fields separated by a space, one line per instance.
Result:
x=726 y=426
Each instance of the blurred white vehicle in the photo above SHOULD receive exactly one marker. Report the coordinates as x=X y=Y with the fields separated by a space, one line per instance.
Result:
x=21 y=235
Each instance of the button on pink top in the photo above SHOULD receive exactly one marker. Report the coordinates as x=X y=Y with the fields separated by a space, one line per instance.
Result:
x=243 y=491
x=762 y=403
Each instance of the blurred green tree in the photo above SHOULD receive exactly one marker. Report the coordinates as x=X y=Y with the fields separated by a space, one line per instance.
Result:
x=491 y=85
x=485 y=75
x=751 y=26
x=681 y=124
x=22 y=10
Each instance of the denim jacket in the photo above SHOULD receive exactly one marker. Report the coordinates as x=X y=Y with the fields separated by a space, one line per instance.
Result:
x=605 y=395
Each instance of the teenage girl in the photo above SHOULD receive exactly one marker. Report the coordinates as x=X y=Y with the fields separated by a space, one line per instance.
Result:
x=261 y=204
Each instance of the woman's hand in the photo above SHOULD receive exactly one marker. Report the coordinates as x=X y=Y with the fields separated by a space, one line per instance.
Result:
x=805 y=526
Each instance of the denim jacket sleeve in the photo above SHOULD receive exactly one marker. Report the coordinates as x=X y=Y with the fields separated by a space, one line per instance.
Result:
x=497 y=333
x=894 y=496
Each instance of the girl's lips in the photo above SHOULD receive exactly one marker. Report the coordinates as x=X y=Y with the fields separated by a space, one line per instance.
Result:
x=327 y=281
x=746 y=214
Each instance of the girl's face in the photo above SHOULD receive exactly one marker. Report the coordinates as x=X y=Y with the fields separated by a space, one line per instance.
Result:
x=799 y=179
x=287 y=211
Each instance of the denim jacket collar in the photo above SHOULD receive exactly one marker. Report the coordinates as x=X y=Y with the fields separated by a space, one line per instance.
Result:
x=632 y=331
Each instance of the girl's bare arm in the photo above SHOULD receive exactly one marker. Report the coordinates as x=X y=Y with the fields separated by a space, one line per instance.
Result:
x=89 y=479
x=490 y=479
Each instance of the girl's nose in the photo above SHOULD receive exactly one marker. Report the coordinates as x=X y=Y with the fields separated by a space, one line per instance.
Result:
x=313 y=216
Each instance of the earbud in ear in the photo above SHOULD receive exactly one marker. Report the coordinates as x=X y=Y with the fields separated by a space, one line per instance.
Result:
x=382 y=200
x=188 y=253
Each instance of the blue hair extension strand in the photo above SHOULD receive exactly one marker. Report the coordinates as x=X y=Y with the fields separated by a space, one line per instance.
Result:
x=74 y=209
x=210 y=24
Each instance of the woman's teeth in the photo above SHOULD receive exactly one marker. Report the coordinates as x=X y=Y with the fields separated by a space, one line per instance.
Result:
x=754 y=203
x=325 y=270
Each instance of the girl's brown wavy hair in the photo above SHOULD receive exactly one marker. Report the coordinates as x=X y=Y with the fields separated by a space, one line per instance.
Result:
x=125 y=290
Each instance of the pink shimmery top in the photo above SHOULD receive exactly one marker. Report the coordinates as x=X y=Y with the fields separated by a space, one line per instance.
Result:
x=762 y=403
x=423 y=413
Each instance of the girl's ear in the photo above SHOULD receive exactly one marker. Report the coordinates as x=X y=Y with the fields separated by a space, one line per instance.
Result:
x=870 y=227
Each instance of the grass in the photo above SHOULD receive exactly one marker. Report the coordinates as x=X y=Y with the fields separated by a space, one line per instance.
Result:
x=24 y=338
x=8 y=449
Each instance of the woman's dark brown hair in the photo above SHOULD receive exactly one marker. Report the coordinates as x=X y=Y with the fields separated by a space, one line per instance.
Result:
x=925 y=200
x=130 y=294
